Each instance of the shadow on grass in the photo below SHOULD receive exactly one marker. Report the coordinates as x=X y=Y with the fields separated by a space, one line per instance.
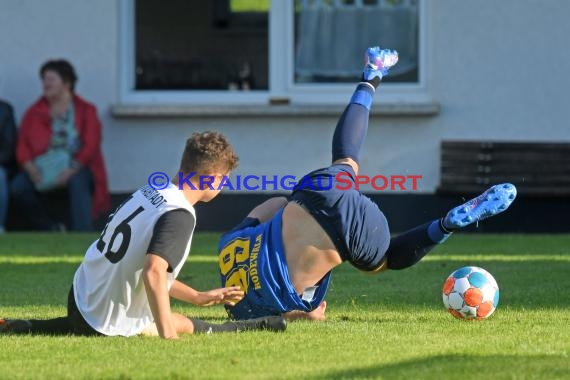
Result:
x=464 y=366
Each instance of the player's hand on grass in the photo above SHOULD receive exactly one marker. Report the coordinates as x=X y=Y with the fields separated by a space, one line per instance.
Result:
x=227 y=296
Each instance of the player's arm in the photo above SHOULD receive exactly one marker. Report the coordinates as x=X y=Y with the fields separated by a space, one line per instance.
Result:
x=169 y=241
x=166 y=250
x=155 y=282
x=185 y=293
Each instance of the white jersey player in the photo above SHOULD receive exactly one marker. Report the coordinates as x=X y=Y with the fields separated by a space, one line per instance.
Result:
x=124 y=284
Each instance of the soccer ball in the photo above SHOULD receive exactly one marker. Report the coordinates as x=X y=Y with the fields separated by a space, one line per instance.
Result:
x=470 y=293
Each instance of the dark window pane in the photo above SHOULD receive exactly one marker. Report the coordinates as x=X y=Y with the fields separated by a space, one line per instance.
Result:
x=201 y=45
x=331 y=35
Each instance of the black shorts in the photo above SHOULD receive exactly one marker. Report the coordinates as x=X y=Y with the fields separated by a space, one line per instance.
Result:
x=355 y=224
x=76 y=321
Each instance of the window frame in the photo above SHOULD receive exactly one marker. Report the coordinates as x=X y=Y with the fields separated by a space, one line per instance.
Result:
x=282 y=88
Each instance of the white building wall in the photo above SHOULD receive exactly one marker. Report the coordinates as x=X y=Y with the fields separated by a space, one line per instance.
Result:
x=499 y=70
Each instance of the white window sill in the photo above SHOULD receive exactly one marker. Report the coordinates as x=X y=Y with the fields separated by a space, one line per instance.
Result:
x=292 y=110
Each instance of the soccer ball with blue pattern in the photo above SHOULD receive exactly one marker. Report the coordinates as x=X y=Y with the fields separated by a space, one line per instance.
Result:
x=470 y=293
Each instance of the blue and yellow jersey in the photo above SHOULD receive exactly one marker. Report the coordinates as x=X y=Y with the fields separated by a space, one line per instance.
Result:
x=253 y=258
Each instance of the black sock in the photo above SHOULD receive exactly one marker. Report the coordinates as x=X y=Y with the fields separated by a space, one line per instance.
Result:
x=56 y=326
x=374 y=81
x=409 y=247
x=352 y=126
x=201 y=326
x=445 y=229
x=274 y=323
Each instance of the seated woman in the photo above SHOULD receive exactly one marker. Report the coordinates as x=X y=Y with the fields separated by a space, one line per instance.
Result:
x=59 y=147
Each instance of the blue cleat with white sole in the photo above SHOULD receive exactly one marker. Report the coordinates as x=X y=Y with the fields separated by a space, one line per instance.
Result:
x=492 y=202
x=378 y=62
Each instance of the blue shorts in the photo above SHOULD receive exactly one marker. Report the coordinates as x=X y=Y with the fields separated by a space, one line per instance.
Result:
x=252 y=257
x=356 y=226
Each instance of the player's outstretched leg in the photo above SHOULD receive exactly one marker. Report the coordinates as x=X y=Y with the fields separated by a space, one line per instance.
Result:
x=270 y=323
x=15 y=326
x=492 y=202
x=410 y=247
x=352 y=126
x=55 y=326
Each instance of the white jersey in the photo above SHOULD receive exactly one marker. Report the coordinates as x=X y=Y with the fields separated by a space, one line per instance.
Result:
x=108 y=286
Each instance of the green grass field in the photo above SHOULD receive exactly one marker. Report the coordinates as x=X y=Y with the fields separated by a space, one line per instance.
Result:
x=388 y=326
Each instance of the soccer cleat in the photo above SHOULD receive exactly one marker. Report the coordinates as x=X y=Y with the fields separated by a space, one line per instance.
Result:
x=271 y=323
x=378 y=62
x=492 y=202
x=17 y=326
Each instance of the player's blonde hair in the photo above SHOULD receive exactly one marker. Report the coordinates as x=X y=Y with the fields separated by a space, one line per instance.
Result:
x=208 y=152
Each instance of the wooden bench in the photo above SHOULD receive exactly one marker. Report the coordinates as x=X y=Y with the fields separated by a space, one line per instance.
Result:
x=537 y=169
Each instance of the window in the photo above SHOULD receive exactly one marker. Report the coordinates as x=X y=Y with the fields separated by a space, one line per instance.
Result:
x=201 y=45
x=254 y=51
x=330 y=34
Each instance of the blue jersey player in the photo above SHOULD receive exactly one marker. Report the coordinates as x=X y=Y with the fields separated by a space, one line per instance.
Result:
x=283 y=253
